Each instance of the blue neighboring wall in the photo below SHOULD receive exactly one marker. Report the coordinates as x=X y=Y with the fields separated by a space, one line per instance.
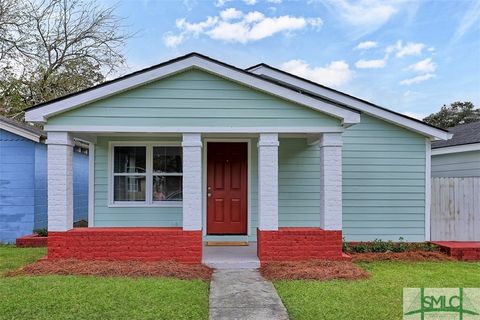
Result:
x=23 y=181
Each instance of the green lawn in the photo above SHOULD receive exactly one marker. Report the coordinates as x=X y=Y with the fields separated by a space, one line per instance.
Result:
x=379 y=297
x=82 y=297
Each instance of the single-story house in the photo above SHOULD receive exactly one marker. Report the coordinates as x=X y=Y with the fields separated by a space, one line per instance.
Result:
x=23 y=180
x=459 y=156
x=194 y=150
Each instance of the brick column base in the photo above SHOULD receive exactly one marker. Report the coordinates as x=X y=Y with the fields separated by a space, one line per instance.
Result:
x=144 y=244
x=296 y=244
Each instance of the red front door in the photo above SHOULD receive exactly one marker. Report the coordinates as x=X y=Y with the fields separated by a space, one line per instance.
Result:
x=227 y=188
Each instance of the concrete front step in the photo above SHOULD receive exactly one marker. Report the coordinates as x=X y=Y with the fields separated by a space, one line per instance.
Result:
x=233 y=264
x=231 y=257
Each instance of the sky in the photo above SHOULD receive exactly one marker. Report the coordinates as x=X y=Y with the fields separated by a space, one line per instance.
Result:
x=409 y=56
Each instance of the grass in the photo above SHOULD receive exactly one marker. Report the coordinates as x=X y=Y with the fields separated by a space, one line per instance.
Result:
x=87 y=297
x=379 y=297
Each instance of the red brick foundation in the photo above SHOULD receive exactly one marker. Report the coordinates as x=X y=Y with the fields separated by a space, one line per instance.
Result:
x=465 y=251
x=295 y=244
x=144 y=244
x=31 y=241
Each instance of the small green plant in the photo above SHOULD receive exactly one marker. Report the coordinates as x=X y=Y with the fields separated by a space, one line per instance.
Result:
x=345 y=246
x=380 y=246
x=41 y=232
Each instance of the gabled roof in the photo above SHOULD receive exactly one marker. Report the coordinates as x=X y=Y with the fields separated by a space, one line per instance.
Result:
x=336 y=96
x=260 y=77
x=41 y=112
x=462 y=134
x=22 y=129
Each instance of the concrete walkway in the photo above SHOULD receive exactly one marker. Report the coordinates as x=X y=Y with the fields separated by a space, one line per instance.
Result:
x=244 y=294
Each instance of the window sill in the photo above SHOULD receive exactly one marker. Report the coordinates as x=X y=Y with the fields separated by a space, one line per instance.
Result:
x=166 y=204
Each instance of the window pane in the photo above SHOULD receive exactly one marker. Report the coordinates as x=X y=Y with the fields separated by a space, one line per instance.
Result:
x=167 y=159
x=129 y=188
x=130 y=159
x=167 y=188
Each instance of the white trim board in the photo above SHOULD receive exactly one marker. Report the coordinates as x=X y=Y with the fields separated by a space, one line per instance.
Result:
x=428 y=188
x=91 y=185
x=122 y=129
x=204 y=182
x=19 y=131
x=456 y=149
x=353 y=102
x=42 y=113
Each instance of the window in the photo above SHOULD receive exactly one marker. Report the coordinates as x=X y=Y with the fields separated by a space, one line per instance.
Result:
x=167 y=173
x=146 y=175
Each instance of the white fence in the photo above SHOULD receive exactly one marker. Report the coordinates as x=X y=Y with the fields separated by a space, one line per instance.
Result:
x=455 y=214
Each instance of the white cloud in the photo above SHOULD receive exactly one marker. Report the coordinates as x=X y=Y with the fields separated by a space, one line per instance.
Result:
x=171 y=41
x=196 y=28
x=410 y=49
x=417 y=79
x=274 y=1
x=365 y=15
x=250 y=2
x=233 y=25
x=371 y=64
x=336 y=73
x=469 y=20
x=221 y=3
x=231 y=13
x=366 y=45
x=423 y=66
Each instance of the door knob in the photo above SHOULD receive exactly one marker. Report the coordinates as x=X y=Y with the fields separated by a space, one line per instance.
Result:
x=209 y=194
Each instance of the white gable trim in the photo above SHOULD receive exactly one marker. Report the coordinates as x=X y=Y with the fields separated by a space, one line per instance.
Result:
x=140 y=129
x=456 y=149
x=354 y=103
x=19 y=131
x=41 y=113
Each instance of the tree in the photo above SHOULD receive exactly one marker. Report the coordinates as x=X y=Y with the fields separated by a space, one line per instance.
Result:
x=453 y=115
x=53 y=48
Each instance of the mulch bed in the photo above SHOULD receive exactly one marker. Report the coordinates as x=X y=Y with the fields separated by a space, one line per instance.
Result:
x=411 y=256
x=312 y=270
x=116 y=269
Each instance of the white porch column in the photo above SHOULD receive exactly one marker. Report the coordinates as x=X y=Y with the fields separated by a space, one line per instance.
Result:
x=192 y=181
x=331 y=181
x=60 y=181
x=268 y=181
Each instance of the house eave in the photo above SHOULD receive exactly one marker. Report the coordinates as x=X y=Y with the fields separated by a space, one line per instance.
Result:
x=41 y=113
x=456 y=149
x=365 y=107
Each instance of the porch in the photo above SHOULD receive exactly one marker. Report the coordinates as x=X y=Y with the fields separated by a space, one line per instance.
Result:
x=287 y=197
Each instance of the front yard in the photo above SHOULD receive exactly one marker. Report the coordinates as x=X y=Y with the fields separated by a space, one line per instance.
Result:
x=88 y=297
x=379 y=297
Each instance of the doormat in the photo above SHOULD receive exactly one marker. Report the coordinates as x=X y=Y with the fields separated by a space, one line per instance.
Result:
x=226 y=243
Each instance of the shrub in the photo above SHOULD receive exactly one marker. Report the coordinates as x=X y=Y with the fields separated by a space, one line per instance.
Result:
x=379 y=246
x=41 y=232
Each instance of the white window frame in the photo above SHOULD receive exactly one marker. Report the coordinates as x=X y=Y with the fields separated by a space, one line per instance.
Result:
x=148 y=174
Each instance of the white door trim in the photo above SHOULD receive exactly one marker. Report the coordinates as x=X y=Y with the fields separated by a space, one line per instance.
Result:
x=204 y=178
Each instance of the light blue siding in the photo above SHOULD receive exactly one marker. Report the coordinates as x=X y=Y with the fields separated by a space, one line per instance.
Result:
x=298 y=184
x=383 y=182
x=23 y=186
x=80 y=186
x=17 y=186
x=462 y=164
x=194 y=98
x=41 y=203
